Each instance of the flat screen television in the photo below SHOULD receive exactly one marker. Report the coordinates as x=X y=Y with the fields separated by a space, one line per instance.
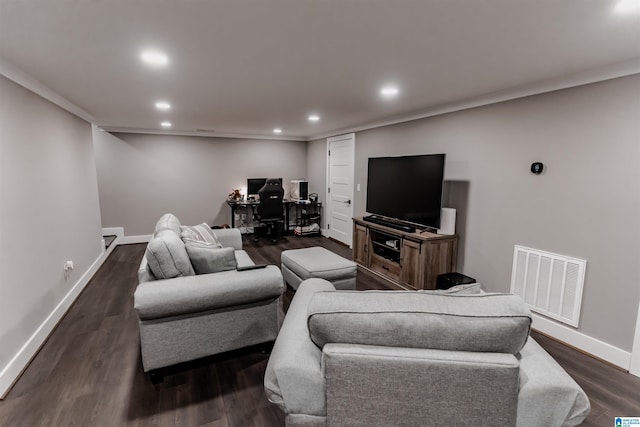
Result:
x=407 y=188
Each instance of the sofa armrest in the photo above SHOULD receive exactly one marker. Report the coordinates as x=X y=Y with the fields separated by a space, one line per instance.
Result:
x=376 y=385
x=548 y=395
x=293 y=379
x=229 y=237
x=193 y=294
x=144 y=272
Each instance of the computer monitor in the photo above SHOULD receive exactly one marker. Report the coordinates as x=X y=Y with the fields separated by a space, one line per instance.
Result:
x=254 y=185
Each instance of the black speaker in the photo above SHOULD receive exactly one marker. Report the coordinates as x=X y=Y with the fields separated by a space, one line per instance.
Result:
x=304 y=190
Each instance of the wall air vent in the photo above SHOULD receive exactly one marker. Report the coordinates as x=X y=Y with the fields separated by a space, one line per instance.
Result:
x=550 y=284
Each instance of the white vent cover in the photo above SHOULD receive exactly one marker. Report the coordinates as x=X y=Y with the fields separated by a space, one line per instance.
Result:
x=550 y=284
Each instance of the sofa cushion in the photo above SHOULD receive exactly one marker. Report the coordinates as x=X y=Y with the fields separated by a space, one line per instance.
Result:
x=211 y=258
x=201 y=232
x=485 y=322
x=201 y=244
x=168 y=222
x=167 y=256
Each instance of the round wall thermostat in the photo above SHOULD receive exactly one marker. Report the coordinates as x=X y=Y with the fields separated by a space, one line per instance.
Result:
x=537 y=168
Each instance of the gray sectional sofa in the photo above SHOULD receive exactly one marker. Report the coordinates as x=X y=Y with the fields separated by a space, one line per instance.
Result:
x=185 y=316
x=415 y=358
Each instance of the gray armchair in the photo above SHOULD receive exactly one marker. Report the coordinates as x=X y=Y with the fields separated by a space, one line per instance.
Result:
x=415 y=358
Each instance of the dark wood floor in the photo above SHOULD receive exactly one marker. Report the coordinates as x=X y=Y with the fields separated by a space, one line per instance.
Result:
x=89 y=371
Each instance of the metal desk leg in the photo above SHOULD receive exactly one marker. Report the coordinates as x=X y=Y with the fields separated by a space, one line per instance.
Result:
x=287 y=207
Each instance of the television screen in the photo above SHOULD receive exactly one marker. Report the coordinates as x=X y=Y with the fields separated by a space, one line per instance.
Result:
x=254 y=185
x=408 y=188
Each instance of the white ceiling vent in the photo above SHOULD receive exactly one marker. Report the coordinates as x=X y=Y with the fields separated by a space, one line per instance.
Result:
x=550 y=284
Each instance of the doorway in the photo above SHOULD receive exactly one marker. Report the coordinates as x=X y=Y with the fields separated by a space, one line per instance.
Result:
x=340 y=177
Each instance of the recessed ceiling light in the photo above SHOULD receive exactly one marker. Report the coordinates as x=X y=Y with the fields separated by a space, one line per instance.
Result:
x=165 y=124
x=277 y=130
x=389 y=91
x=162 y=105
x=627 y=6
x=314 y=118
x=154 y=58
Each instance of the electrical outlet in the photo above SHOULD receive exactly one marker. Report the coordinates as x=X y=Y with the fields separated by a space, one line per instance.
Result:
x=68 y=266
x=237 y=217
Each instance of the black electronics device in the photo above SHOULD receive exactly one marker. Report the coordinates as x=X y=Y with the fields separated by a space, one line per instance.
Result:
x=304 y=190
x=377 y=219
x=537 y=168
x=407 y=189
x=449 y=280
x=253 y=186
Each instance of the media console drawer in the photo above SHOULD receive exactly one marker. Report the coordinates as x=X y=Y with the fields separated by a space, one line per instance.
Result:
x=385 y=266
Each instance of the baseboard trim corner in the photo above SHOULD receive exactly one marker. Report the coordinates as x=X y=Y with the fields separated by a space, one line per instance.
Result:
x=113 y=231
x=121 y=239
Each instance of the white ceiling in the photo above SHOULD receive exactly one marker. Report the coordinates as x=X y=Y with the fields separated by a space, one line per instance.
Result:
x=245 y=67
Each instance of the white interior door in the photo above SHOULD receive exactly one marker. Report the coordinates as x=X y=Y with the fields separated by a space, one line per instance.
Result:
x=340 y=176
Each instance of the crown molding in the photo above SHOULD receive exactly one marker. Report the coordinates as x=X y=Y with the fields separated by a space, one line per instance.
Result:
x=18 y=76
x=595 y=75
x=613 y=71
x=115 y=129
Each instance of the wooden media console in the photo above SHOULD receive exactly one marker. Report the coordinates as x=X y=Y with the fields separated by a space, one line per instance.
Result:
x=406 y=260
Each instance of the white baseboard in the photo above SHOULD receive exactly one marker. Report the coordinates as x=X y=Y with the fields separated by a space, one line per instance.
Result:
x=121 y=239
x=600 y=349
x=11 y=372
x=127 y=240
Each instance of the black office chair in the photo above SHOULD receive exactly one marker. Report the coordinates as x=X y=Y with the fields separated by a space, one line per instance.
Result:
x=270 y=211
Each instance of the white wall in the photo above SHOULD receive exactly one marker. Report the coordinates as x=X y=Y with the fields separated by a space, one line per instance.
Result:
x=143 y=176
x=585 y=204
x=317 y=172
x=49 y=213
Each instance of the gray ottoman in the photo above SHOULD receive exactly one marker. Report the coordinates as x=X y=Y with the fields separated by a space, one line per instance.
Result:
x=301 y=264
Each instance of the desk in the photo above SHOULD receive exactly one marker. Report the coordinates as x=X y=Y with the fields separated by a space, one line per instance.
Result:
x=235 y=204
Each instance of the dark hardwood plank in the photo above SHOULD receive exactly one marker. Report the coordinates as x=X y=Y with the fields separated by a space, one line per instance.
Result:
x=89 y=371
x=612 y=392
